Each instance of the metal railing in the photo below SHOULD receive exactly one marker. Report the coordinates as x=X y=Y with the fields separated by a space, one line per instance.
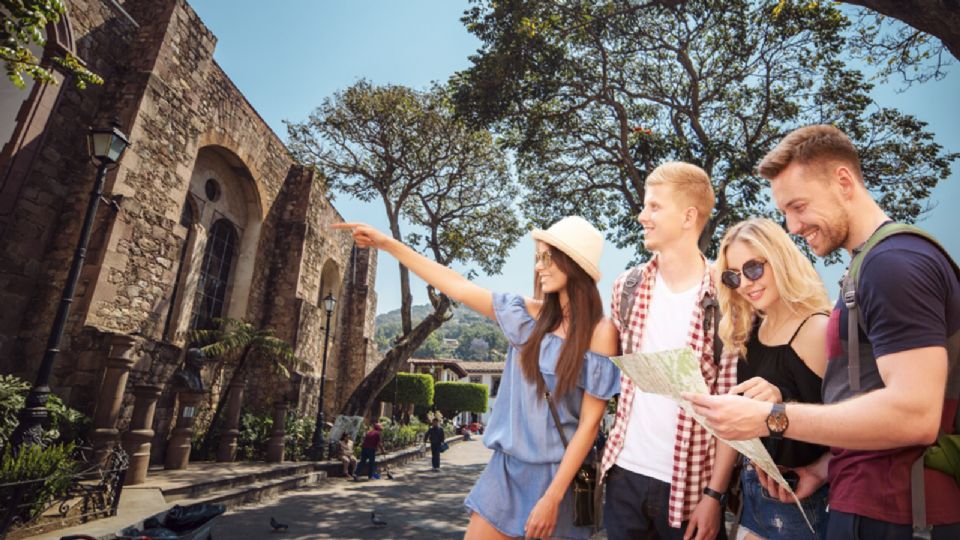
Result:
x=29 y=507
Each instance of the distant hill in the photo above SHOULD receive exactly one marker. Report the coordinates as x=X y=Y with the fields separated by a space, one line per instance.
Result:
x=466 y=336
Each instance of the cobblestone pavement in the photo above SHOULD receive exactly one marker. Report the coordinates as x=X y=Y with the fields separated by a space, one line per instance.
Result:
x=417 y=503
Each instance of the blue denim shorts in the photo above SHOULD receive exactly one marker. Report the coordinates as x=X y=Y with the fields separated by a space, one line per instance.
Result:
x=769 y=518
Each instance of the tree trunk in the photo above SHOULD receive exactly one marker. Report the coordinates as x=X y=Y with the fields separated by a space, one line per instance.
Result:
x=205 y=445
x=363 y=398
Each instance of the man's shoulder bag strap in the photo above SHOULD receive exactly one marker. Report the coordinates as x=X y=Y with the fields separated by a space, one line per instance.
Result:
x=848 y=291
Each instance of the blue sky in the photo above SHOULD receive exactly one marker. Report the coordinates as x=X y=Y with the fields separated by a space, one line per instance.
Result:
x=288 y=58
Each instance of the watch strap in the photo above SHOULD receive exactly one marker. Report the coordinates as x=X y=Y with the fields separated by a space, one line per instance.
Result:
x=721 y=497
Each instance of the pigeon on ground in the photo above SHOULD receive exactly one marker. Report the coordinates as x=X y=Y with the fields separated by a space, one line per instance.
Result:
x=377 y=521
x=277 y=526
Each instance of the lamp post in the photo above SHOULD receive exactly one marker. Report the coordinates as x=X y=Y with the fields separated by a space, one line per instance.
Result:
x=106 y=145
x=317 y=451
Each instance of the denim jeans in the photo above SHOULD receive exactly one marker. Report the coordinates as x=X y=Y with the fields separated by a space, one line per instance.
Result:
x=435 y=456
x=637 y=507
x=767 y=517
x=844 y=526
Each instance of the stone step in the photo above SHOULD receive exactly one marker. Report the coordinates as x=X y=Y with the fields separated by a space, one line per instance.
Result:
x=257 y=491
x=199 y=489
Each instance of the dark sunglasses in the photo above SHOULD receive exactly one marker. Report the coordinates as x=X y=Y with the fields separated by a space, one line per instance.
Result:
x=752 y=270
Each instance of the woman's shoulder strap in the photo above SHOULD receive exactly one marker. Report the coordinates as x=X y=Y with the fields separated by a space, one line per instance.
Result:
x=797 y=331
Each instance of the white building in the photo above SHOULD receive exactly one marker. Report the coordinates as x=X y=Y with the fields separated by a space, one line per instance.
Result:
x=486 y=373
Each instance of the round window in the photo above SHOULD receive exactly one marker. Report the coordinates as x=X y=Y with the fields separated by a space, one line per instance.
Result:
x=213 y=190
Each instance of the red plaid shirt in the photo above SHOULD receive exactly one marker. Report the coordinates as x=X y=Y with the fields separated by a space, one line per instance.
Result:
x=694 y=448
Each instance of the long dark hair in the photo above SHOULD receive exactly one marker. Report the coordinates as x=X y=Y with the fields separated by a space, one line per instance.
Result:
x=586 y=310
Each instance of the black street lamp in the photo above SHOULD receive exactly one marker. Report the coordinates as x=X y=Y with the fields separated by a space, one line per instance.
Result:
x=317 y=450
x=106 y=145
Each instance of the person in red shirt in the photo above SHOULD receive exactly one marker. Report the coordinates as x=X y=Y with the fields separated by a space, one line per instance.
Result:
x=372 y=441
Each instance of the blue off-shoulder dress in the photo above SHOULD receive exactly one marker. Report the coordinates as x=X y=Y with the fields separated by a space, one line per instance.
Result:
x=527 y=448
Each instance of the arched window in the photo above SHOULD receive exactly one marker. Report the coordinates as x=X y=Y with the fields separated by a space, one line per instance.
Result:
x=214 y=279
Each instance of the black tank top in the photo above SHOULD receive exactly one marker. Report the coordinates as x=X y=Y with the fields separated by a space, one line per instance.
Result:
x=781 y=366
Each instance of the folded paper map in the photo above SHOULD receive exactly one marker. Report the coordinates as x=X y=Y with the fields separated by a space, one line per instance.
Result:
x=671 y=372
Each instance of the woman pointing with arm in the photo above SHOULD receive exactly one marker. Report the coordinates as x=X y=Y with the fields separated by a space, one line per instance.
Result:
x=559 y=334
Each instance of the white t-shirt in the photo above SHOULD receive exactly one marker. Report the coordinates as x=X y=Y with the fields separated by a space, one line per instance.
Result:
x=649 y=441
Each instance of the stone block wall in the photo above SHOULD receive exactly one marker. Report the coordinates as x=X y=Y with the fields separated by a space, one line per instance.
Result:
x=173 y=100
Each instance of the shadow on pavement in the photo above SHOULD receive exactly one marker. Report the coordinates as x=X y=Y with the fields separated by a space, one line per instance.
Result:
x=418 y=503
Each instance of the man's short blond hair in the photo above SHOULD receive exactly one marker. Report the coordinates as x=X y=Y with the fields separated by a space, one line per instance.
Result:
x=821 y=143
x=690 y=183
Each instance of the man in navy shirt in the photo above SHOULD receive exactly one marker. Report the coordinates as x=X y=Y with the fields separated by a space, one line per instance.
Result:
x=909 y=335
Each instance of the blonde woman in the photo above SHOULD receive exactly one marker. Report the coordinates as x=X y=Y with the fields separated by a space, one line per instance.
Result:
x=775 y=310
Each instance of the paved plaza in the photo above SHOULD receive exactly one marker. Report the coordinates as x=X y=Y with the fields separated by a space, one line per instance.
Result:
x=417 y=503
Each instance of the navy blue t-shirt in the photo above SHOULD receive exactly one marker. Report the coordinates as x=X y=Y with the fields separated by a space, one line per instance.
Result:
x=909 y=298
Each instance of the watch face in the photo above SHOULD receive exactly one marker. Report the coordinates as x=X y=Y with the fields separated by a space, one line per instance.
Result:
x=777 y=422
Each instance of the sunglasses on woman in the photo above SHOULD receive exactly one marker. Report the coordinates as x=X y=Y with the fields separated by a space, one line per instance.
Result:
x=752 y=270
x=543 y=257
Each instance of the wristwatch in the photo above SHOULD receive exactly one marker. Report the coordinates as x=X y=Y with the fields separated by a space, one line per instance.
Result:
x=777 y=421
x=722 y=497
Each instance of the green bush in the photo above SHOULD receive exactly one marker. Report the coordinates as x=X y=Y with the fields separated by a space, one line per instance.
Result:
x=252 y=440
x=66 y=424
x=409 y=389
x=457 y=397
x=49 y=468
x=299 y=436
x=397 y=436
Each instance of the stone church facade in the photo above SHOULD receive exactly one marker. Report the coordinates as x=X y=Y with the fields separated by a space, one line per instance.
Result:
x=206 y=215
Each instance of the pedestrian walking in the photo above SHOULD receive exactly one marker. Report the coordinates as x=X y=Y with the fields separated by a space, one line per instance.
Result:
x=435 y=437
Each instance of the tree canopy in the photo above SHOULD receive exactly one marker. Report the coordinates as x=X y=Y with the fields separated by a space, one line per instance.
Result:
x=445 y=189
x=592 y=95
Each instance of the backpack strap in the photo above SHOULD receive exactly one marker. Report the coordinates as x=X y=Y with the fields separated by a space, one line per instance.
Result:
x=850 y=283
x=711 y=317
x=709 y=305
x=627 y=296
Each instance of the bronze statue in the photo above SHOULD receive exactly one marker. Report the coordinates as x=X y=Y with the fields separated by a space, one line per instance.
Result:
x=188 y=377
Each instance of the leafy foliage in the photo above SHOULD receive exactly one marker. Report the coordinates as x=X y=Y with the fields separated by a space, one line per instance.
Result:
x=23 y=24
x=593 y=95
x=397 y=436
x=237 y=342
x=42 y=472
x=445 y=188
x=409 y=389
x=457 y=397
x=66 y=424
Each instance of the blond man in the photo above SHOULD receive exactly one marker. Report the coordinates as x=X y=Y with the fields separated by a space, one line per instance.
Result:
x=666 y=477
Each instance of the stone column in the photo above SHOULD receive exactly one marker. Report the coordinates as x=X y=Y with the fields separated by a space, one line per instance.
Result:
x=178 y=449
x=275 y=446
x=136 y=442
x=227 y=450
x=118 y=363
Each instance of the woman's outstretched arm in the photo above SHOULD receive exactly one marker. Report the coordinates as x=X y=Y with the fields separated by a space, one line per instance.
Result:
x=447 y=281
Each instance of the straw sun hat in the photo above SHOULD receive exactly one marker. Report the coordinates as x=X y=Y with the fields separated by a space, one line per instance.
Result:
x=577 y=239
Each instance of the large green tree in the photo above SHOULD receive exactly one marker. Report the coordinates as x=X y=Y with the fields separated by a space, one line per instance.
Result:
x=445 y=189
x=593 y=95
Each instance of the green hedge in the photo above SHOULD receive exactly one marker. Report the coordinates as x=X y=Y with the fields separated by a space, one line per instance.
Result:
x=414 y=389
x=460 y=397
